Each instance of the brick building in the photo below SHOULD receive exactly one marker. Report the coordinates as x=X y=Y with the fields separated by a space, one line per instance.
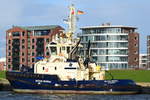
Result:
x=112 y=46
x=24 y=44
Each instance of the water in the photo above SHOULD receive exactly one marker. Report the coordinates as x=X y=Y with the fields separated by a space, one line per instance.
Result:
x=8 y=95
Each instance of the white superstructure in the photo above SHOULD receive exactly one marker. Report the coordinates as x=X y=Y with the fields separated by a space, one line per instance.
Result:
x=65 y=61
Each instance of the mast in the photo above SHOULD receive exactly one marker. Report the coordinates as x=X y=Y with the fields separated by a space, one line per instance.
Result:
x=71 y=21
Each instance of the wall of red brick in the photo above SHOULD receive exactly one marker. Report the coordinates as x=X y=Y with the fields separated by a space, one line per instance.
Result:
x=28 y=58
x=133 y=53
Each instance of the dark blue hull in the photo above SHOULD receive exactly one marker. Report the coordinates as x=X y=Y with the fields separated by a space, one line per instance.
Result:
x=39 y=83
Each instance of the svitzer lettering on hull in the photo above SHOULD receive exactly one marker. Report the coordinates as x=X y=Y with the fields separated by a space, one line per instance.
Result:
x=42 y=81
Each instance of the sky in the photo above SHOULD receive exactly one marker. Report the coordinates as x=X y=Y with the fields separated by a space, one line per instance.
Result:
x=52 y=12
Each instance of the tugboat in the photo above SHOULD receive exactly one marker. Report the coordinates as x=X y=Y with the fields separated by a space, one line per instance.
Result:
x=66 y=71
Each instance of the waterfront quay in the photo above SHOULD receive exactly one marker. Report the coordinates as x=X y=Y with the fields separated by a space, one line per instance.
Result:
x=145 y=86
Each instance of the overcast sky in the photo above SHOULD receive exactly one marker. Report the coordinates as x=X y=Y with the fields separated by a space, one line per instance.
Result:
x=52 y=12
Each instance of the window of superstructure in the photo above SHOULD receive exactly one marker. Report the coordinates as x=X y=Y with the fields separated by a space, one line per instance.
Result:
x=43 y=68
x=63 y=48
x=68 y=49
x=55 y=68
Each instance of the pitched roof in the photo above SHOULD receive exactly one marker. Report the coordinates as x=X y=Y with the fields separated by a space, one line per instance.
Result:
x=46 y=27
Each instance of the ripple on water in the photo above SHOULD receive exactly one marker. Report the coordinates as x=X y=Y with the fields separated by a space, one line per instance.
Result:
x=15 y=96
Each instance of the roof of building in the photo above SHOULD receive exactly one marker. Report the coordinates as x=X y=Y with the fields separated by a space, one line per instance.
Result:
x=45 y=27
x=108 y=26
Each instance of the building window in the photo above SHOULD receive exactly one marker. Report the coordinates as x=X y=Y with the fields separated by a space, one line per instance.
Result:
x=135 y=45
x=28 y=40
x=9 y=66
x=9 y=60
x=29 y=33
x=33 y=40
x=9 y=53
x=32 y=46
x=9 y=48
x=9 y=41
x=16 y=33
x=135 y=52
x=32 y=53
x=32 y=59
x=23 y=60
x=23 y=46
x=23 y=41
x=135 y=59
x=23 y=33
x=135 y=38
x=28 y=53
x=47 y=40
x=23 y=54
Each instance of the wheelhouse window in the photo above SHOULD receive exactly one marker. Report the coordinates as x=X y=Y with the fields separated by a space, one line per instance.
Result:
x=53 y=50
